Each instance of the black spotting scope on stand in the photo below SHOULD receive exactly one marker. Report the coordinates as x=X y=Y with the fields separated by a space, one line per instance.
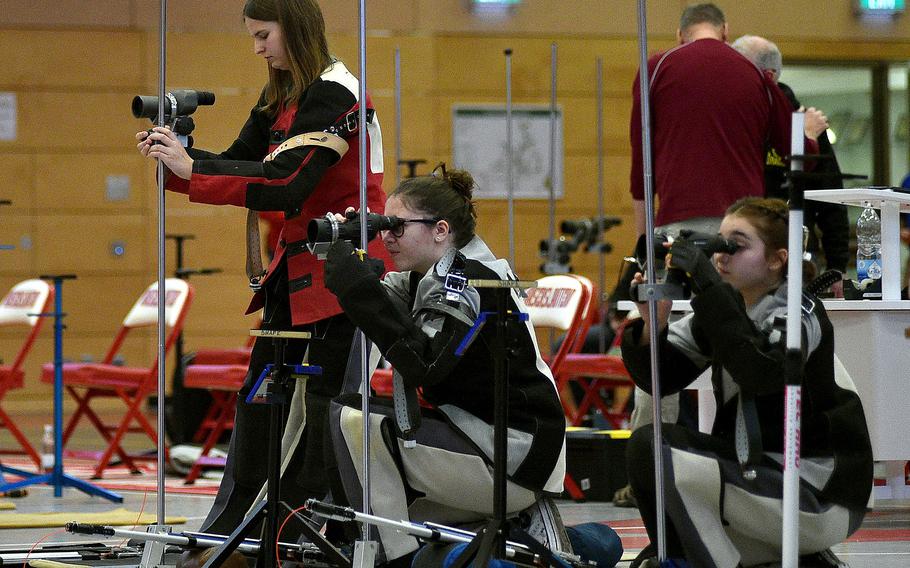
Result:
x=178 y=106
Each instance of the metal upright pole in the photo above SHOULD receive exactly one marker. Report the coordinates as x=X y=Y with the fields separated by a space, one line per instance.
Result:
x=509 y=187
x=601 y=261
x=644 y=83
x=793 y=362
x=397 y=116
x=365 y=549
x=162 y=293
x=153 y=554
x=551 y=251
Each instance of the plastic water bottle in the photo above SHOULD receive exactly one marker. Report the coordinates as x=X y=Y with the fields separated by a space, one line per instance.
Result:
x=47 y=448
x=868 y=246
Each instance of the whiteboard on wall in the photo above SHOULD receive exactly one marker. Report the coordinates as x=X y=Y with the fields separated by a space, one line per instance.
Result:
x=479 y=146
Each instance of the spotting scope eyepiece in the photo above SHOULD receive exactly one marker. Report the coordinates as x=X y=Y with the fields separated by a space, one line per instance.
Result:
x=321 y=232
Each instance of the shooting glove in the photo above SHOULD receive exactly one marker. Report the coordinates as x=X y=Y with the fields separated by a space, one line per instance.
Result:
x=345 y=268
x=695 y=263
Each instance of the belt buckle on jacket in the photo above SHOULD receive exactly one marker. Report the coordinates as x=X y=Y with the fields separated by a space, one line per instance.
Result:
x=256 y=281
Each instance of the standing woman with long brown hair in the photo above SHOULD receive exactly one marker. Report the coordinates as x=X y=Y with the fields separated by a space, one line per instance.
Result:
x=272 y=166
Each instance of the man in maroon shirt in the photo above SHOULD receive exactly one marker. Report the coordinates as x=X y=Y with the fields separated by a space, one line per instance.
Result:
x=712 y=113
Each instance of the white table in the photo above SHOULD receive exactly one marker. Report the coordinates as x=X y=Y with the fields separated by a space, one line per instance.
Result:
x=890 y=204
x=871 y=338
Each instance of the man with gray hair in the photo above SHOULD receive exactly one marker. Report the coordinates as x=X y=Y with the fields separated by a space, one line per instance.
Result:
x=830 y=219
x=761 y=52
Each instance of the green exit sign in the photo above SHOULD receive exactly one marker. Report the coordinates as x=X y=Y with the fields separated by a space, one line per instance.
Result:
x=885 y=7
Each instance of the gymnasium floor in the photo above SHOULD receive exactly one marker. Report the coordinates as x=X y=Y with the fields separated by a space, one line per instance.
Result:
x=882 y=542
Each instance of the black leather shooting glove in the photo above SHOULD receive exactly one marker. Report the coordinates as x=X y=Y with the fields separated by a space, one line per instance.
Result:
x=695 y=263
x=346 y=268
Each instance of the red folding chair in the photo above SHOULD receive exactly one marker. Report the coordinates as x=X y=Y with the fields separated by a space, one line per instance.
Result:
x=20 y=307
x=563 y=303
x=86 y=382
x=597 y=373
x=221 y=372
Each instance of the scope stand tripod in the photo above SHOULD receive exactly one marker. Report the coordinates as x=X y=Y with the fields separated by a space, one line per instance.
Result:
x=490 y=542
x=412 y=166
x=182 y=402
x=272 y=388
x=56 y=477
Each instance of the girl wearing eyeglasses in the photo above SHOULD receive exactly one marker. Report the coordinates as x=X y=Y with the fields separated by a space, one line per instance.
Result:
x=435 y=463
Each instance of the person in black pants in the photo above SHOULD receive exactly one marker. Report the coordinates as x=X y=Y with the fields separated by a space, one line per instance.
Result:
x=718 y=515
x=274 y=165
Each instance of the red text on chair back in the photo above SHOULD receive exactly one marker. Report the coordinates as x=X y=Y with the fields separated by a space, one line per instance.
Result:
x=561 y=302
x=177 y=297
x=21 y=306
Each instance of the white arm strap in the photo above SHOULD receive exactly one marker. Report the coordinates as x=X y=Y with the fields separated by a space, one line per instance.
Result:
x=326 y=140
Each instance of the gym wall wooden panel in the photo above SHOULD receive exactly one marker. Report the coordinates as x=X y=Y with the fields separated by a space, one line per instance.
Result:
x=810 y=19
x=69 y=13
x=17 y=172
x=797 y=18
x=578 y=17
x=581 y=184
x=817 y=50
x=69 y=183
x=209 y=62
x=219 y=236
x=83 y=243
x=17 y=230
x=71 y=59
x=66 y=121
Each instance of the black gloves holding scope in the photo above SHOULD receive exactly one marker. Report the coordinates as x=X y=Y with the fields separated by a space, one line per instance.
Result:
x=690 y=267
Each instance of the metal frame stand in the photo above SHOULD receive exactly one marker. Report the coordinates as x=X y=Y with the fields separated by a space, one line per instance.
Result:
x=277 y=394
x=178 y=392
x=510 y=191
x=57 y=477
x=366 y=547
x=153 y=556
x=490 y=541
x=651 y=292
x=184 y=274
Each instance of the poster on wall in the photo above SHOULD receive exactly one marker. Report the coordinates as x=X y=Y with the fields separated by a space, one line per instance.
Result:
x=8 y=116
x=479 y=146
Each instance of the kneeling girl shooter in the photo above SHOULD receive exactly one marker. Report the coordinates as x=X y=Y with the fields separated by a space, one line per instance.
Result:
x=720 y=513
x=440 y=469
